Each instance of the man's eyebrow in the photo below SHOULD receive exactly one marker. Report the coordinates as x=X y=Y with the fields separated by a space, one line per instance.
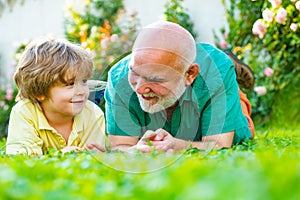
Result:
x=130 y=67
x=154 y=78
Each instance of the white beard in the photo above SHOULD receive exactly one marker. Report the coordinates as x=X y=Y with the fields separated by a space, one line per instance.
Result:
x=162 y=102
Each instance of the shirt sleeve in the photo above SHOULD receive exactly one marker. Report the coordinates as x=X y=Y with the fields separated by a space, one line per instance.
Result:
x=22 y=135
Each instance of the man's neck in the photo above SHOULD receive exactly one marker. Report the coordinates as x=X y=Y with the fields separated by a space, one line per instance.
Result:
x=170 y=110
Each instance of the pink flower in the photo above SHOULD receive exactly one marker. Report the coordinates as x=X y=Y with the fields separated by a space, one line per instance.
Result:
x=268 y=71
x=259 y=28
x=275 y=3
x=260 y=90
x=223 y=44
x=9 y=92
x=114 y=37
x=104 y=43
x=225 y=35
x=5 y=107
x=268 y=15
x=294 y=27
x=281 y=15
x=297 y=5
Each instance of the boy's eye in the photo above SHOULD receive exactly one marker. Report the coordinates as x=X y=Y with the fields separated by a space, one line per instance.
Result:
x=70 y=84
x=84 y=81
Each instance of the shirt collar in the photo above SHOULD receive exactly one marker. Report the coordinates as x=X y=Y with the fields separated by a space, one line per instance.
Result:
x=189 y=95
x=44 y=125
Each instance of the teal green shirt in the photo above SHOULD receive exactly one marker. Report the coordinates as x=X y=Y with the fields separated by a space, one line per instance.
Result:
x=211 y=105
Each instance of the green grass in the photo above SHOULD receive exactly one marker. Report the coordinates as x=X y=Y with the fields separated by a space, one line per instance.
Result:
x=266 y=168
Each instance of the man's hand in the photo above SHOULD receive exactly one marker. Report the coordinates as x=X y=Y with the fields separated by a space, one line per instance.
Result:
x=164 y=141
x=160 y=140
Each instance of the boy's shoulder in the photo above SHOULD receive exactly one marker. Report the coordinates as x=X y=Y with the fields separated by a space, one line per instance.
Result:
x=24 y=105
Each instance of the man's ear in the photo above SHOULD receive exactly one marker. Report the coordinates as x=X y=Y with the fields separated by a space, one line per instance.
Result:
x=192 y=73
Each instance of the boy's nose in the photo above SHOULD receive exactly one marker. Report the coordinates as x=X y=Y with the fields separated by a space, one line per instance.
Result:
x=80 y=89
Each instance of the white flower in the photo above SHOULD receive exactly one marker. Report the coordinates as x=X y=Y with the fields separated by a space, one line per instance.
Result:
x=275 y=3
x=281 y=15
x=260 y=90
x=294 y=27
x=259 y=28
x=268 y=15
x=297 y=5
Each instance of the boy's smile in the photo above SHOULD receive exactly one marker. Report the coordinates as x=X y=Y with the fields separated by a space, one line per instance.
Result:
x=66 y=99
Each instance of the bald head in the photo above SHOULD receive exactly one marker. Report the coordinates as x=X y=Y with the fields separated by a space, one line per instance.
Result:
x=167 y=36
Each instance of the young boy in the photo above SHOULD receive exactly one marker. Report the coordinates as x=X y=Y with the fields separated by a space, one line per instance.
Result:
x=52 y=109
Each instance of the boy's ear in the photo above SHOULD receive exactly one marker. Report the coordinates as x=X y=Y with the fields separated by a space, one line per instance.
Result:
x=192 y=73
x=41 y=98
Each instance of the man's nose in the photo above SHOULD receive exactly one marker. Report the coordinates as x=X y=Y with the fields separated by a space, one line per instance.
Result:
x=142 y=87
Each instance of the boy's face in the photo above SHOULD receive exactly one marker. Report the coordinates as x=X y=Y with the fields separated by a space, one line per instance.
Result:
x=66 y=99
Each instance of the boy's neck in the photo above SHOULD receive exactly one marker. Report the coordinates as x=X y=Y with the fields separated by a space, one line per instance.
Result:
x=63 y=125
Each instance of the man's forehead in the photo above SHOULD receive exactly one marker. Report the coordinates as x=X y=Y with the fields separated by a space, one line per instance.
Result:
x=157 y=58
x=175 y=40
x=149 y=69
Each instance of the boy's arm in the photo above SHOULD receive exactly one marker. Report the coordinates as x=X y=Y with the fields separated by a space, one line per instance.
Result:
x=122 y=143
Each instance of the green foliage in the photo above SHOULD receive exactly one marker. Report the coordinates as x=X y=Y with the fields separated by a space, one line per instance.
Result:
x=8 y=93
x=102 y=27
x=272 y=54
x=7 y=101
x=286 y=112
x=265 y=168
x=175 y=12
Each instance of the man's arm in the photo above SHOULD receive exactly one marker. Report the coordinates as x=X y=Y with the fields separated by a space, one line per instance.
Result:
x=162 y=140
x=219 y=141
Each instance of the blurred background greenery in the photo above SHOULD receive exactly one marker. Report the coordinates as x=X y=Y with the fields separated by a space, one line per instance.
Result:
x=264 y=168
x=108 y=31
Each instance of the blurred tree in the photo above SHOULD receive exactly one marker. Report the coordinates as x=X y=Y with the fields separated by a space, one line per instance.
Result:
x=102 y=27
x=175 y=12
x=265 y=35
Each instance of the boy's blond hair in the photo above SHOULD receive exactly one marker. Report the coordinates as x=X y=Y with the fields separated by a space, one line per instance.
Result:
x=47 y=62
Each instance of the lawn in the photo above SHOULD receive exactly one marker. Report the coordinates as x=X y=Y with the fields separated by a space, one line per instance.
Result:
x=266 y=168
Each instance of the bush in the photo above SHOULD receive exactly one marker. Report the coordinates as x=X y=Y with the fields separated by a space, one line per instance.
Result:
x=175 y=12
x=7 y=101
x=102 y=27
x=265 y=35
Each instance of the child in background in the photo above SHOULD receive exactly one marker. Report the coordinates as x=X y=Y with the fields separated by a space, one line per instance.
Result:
x=52 y=109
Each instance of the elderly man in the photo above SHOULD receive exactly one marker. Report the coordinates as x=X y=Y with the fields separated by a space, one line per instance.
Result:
x=172 y=94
